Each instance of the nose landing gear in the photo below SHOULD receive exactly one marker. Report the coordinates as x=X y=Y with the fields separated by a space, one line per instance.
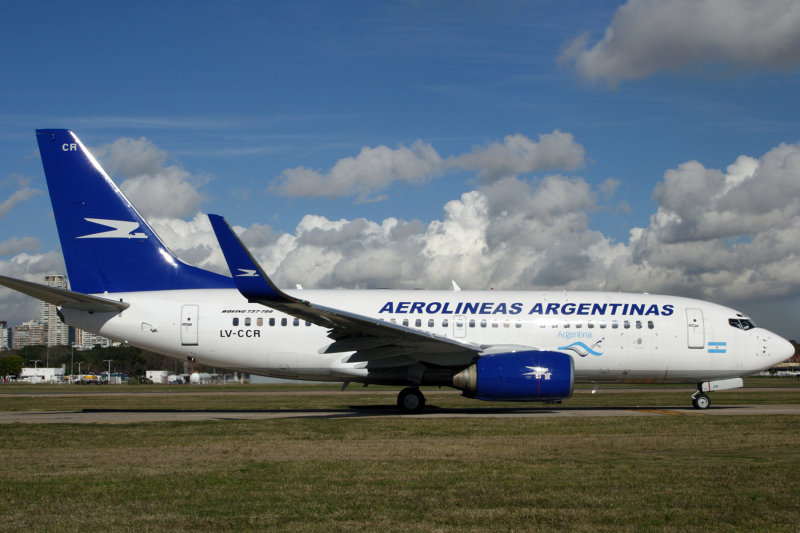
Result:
x=700 y=400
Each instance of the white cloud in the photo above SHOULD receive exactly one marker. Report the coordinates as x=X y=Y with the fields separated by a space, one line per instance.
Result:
x=14 y=245
x=375 y=169
x=729 y=235
x=647 y=36
x=19 y=196
x=518 y=155
x=153 y=186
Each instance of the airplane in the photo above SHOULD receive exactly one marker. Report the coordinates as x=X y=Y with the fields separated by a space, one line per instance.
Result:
x=524 y=346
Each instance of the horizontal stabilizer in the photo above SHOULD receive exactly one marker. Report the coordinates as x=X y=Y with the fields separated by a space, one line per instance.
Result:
x=63 y=297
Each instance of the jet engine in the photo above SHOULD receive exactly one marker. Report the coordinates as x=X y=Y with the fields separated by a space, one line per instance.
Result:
x=530 y=375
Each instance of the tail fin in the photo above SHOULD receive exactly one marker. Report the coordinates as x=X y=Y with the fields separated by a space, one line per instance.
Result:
x=107 y=245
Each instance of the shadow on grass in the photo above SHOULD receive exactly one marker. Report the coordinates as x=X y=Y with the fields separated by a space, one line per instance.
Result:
x=390 y=410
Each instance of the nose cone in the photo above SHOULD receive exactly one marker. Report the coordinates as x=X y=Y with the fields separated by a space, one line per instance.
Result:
x=780 y=349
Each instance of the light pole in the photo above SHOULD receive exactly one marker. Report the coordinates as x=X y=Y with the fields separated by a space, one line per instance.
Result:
x=72 y=363
x=79 y=369
x=109 y=369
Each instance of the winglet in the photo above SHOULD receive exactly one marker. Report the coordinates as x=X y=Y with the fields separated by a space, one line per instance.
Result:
x=252 y=282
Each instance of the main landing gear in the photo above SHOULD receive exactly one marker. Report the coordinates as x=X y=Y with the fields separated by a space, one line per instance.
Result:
x=700 y=400
x=411 y=401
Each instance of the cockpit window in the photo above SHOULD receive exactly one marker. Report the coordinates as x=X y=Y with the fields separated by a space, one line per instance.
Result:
x=741 y=323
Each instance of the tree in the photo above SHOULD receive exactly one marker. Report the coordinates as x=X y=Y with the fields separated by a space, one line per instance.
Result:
x=11 y=365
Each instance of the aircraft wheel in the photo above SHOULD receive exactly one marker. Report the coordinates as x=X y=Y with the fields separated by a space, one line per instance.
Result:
x=411 y=400
x=701 y=402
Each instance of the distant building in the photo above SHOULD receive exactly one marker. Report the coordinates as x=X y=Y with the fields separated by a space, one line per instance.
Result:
x=29 y=333
x=158 y=376
x=57 y=333
x=85 y=340
x=42 y=375
x=5 y=336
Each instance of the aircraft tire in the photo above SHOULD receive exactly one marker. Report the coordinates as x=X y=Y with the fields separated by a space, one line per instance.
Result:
x=411 y=401
x=701 y=402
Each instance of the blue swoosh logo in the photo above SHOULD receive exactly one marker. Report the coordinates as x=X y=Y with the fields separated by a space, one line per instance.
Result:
x=581 y=345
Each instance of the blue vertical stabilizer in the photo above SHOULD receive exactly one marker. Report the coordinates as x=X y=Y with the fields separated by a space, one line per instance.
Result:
x=107 y=245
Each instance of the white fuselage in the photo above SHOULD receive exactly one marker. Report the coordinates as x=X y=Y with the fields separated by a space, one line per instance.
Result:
x=613 y=337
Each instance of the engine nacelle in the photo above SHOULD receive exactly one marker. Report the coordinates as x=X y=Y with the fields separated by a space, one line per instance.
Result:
x=531 y=375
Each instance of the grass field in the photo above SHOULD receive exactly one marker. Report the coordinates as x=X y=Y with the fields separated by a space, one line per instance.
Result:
x=669 y=473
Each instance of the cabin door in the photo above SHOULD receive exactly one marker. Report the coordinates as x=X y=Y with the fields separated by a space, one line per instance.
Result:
x=189 y=314
x=696 y=334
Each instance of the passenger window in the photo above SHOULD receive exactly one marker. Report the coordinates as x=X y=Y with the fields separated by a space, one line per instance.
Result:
x=472 y=322
x=483 y=323
x=602 y=325
x=494 y=324
x=418 y=323
x=296 y=322
x=235 y=321
x=519 y=324
x=247 y=321
x=405 y=322
x=284 y=322
x=590 y=325
x=615 y=325
x=271 y=321
x=445 y=323
x=506 y=324
x=578 y=325
x=308 y=323
x=430 y=323
x=638 y=324
x=259 y=321
x=627 y=324
x=650 y=324
x=393 y=320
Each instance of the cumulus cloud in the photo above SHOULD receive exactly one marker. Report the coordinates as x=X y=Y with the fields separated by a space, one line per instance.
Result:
x=647 y=36
x=14 y=245
x=518 y=155
x=19 y=196
x=375 y=169
x=155 y=187
x=729 y=235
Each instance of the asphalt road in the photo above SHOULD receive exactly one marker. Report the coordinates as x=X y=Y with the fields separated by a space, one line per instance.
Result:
x=108 y=416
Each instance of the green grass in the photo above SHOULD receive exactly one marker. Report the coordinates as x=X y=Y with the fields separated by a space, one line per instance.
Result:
x=668 y=473
x=612 y=474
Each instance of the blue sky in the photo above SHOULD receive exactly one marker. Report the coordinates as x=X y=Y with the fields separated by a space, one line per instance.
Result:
x=563 y=144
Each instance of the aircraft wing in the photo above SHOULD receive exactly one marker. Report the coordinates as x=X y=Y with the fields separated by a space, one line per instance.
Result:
x=374 y=341
x=63 y=297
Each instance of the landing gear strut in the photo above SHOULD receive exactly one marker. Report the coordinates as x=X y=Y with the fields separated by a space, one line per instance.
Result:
x=411 y=401
x=700 y=400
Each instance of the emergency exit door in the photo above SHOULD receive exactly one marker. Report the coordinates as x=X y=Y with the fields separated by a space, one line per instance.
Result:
x=189 y=316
